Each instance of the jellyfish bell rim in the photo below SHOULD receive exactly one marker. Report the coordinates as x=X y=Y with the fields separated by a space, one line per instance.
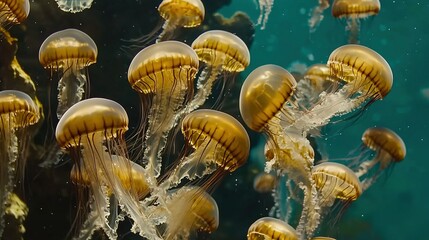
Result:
x=354 y=54
x=341 y=8
x=68 y=135
x=232 y=128
x=79 y=39
x=153 y=53
x=197 y=4
x=223 y=39
x=269 y=225
x=388 y=137
x=261 y=75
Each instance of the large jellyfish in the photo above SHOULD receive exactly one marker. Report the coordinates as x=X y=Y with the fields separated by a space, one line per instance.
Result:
x=354 y=10
x=74 y=6
x=221 y=145
x=17 y=111
x=389 y=149
x=265 y=7
x=68 y=53
x=222 y=52
x=163 y=74
x=13 y=11
x=271 y=229
x=191 y=209
x=92 y=132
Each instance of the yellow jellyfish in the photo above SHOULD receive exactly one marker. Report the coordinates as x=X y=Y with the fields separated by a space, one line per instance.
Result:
x=265 y=7
x=354 y=10
x=74 y=6
x=13 y=11
x=271 y=229
x=179 y=13
x=389 y=148
x=363 y=77
x=68 y=53
x=191 y=209
x=317 y=14
x=323 y=238
x=336 y=181
x=17 y=111
x=221 y=145
x=222 y=52
x=264 y=183
x=163 y=74
x=92 y=131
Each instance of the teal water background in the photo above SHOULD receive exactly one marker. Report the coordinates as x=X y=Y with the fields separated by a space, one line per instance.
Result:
x=395 y=207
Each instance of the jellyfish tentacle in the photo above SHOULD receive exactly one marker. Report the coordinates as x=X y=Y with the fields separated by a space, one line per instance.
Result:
x=353 y=26
x=70 y=89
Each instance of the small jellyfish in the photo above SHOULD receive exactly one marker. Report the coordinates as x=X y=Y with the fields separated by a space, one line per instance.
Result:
x=68 y=53
x=323 y=238
x=363 y=77
x=179 y=13
x=17 y=111
x=222 y=52
x=336 y=181
x=265 y=7
x=191 y=209
x=389 y=149
x=221 y=144
x=269 y=228
x=13 y=12
x=264 y=183
x=74 y=6
x=354 y=10
x=92 y=131
x=317 y=14
x=163 y=74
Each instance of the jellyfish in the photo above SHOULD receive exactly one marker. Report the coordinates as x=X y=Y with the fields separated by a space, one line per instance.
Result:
x=317 y=14
x=266 y=106
x=74 y=6
x=389 y=149
x=271 y=229
x=68 y=53
x=191 y=209
x=13 y=11
x=265 y=7
x=179 y=13
x=222 y=52
x=17 y=112
x=264 y=182
x=363 y=76
x=354 y=10
x=220 y=143
x=92 y=132
x=163 y=74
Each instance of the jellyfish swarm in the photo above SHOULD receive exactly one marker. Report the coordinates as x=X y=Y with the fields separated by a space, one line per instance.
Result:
x=92 y=132
x=265 y=7
x=13 y=12
x=317 y=15
x=74 y=6
x=221 y=52
x=354 y=10
x=220 y=143
x=68 y=53
x=179 y=13
x=389 y=149
x=265 y=106
x=17 y=111
x=271 y=228
x=192 y=209
x=163 y=74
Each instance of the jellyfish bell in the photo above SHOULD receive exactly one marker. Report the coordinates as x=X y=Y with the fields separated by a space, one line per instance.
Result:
x=264 y=183
x=163 y=74
x=13 y=11
x=271 y=229
x=92 y=131
x=74 y=6
x=68 y=53
x=191 y=209
x=220 y=144
x=354 y=10
x=17 y=112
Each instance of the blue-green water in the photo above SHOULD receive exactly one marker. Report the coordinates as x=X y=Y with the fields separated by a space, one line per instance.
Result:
x=395 y=208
